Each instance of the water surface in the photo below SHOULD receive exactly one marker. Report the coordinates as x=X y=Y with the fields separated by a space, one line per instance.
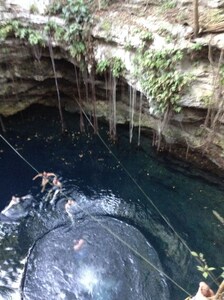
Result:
x=143 y=203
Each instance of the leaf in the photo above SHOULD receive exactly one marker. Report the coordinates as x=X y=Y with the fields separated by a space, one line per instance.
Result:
x=178 y=109
x=194 y=253
x=201 y=269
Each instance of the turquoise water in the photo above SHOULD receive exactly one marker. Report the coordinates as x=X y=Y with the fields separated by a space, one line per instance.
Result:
x=183 y=196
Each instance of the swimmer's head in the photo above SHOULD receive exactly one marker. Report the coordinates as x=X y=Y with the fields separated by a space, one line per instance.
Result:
x=70 y=202
x=15 y=200
x=78 y=244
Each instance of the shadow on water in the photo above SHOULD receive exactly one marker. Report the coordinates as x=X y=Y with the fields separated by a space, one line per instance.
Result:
x=101 y=188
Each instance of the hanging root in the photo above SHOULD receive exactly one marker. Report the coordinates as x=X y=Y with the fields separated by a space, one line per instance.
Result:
x=2 y=124
x=95 y=122
x=162 y=125
x=63 y=128
x=112 y=108
x=82 y=128
x=139 y=120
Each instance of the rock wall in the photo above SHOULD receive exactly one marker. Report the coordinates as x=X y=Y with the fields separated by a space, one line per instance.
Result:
x=27 y=77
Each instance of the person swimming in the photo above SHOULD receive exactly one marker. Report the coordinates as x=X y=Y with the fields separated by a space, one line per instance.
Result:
x=55 y=190
x=18 y=207
x=69 y=205
x=45 y=179
x=78 y=244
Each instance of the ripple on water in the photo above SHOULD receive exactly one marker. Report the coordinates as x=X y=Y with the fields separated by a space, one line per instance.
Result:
x=102 y=268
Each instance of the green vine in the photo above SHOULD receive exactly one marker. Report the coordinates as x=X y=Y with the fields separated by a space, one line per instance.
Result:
x=204 y=268
x=76 y=15
x=102 y=66
x=15 y=28
x=57 y=31
x=160 y=78
x=221 y=74
x=117 y=67
x=114 y=64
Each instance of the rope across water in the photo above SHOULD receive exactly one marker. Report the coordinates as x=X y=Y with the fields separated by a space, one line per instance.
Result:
x=105 y=227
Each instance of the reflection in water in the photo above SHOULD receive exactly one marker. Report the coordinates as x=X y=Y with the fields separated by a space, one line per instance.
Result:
x=89 y=279
x=94 y=179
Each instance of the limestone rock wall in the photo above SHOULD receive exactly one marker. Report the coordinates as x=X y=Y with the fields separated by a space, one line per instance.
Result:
x=27 y=77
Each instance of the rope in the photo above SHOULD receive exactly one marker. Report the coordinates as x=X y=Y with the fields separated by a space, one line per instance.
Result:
x=143 y=192
x=139 y=187
x=18 y=154
x=131 y=248
x=100 y=223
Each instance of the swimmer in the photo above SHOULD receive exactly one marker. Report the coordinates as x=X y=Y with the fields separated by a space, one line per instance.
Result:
x=57 y=183
x=204 y=292
x=45 y=179
x=68 y=207
x=14 y=201
x=57 y=188
x=78 y=244
x=18 y=207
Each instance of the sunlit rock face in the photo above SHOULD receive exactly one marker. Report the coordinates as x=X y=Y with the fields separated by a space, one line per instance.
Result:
x=215 y=3
x=86 y=261
x=39 y=5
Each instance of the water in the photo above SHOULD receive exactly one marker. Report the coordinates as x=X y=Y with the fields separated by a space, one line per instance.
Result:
x=102 y=189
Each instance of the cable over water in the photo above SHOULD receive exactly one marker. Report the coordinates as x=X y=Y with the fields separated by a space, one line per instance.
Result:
x=104 y=226
x=143 y=192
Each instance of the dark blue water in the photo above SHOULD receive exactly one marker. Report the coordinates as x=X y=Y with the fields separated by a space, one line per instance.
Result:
x=182 y=194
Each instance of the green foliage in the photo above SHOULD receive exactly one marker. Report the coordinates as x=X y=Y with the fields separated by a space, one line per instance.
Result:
x=196 y=47
x=103 y=3
x=76 y=15
x=169 y=4
x=160 y=79
x=129 y=47
x=77 y=49
x=34 y=9
x=115 y=64
x=207 y=100
x=147 y=36
x=34 y=37
x=221 y=74
x=15 y=29
x=5 y=31
x=169 y=37
x=106 y=26
x=55 y=8
x=55 y=30
x=102 y=66
x=204 y=268
x=75 y=12
x=117 y=67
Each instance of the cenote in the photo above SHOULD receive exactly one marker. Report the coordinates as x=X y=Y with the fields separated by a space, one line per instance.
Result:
x=138 y=212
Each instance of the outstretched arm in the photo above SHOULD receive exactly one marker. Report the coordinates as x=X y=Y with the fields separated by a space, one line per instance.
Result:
x=51 y=174
x=38 y=175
